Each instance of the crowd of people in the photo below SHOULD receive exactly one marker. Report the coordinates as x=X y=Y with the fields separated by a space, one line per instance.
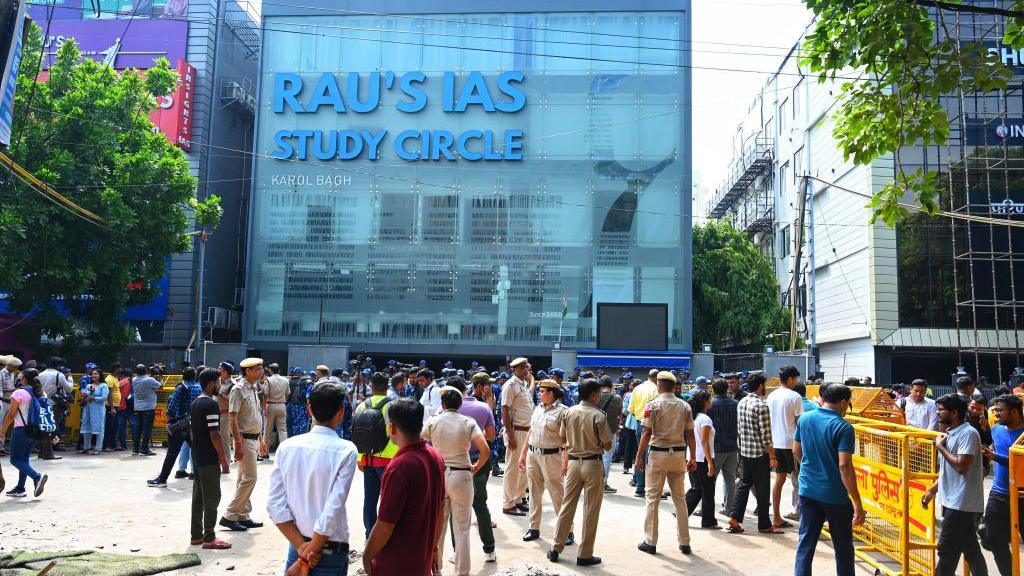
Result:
x=427 y=443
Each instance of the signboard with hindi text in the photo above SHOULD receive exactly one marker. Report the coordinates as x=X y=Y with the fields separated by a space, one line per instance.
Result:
x=881 y=490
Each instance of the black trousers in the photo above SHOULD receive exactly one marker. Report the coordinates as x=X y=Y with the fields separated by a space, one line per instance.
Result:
x=205 y=499
x=756 y=476
x=702 y=491
x=174 y=444
x=141 y=434
x=958 y=536
x=997 y=529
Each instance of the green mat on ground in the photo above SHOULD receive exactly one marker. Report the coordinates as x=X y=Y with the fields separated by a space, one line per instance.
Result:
x=91 y=563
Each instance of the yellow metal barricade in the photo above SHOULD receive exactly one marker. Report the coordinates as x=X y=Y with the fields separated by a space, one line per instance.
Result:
x=895 y=466
x=73 y=423
x=1016 y=489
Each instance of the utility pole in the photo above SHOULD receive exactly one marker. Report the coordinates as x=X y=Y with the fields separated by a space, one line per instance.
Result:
x=812 y=306
x=798 y=241
x=202 y=236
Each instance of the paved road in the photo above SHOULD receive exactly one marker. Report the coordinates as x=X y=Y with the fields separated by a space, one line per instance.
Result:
x=103 y=501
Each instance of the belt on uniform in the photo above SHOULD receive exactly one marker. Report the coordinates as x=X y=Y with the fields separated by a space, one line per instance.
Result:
x=520 y=428
x=582 y=458
x=458 y=469
x=332 y=547
x=250 y=436
x=545 y=451
x=668 y=448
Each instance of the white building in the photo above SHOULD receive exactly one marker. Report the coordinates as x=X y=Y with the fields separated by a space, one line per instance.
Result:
x=786 y=133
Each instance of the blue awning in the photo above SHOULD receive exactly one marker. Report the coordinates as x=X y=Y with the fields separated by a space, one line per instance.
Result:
x=632 y=359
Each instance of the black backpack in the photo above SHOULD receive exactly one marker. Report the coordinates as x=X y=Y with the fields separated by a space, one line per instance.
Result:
x=369 y=431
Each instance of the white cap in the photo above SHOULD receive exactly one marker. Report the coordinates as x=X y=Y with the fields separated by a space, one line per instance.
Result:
x=323 y=368
x=663 y=375
x=13 y=361
x=251 y=362
x=518 y=361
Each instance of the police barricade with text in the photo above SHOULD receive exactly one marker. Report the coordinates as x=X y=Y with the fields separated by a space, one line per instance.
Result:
x=1016 y=488
x=73 y=423
x=895 y=466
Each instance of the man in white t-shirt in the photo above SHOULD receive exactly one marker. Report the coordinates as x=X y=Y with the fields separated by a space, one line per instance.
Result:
x=919 y=410
x=784 y=407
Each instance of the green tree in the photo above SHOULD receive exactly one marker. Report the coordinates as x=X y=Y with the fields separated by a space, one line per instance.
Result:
x=85 y=132
x=735 y=293
x=905 y=60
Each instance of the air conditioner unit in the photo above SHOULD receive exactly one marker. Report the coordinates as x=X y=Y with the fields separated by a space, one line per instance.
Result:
x=218 y=317
x=234 y=320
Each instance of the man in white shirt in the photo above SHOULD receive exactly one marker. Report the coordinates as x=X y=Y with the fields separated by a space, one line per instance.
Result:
x=54 y=380
x=309 y=487
x=919 y=410
x=431 y=398
x=784 y=407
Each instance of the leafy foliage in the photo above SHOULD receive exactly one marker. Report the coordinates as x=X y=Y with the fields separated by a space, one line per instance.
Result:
x=905 y=64
x=86 y=132
x=735 y=293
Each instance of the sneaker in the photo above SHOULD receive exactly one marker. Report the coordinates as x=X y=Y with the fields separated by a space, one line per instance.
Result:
x=609 y=490
x=794 y=515
x=490 y=557
x=40 y=484
x=16 y=493
x=156 y=483
x=136 y=454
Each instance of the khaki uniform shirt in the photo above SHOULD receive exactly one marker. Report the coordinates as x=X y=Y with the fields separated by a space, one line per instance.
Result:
x=451 y=434
x=244 y=402
x=224 y=391
x=546 y=424
x=669 y=418
x=584 y=430
x=516 y=401
x=277 y=389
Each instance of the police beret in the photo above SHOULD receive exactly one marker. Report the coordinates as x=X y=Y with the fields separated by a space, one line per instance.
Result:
x=542 y=375
x=557 y=372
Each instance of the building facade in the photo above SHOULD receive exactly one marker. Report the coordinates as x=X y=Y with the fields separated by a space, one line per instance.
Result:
x=215 y=45
x=454 y=178
x=916 y=301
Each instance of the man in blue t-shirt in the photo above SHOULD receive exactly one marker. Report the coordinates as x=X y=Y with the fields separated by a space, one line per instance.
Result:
x=824 y=445
x=996 y=536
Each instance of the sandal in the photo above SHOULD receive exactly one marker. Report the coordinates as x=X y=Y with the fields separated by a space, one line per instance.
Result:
x=216 y=545
x=737 y=529
x=772 y=530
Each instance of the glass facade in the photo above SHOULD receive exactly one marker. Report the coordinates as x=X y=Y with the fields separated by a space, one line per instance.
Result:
x=511 y=254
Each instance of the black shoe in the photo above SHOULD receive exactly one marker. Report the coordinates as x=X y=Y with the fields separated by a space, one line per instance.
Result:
x=665 y=495
x=685 y=549
x=58 y=448
x=645 y=547
x=553 y=555
x=592 y=561
x=191 y=476
x=156 y=483
x=531 y=534
x=180 y=474
x=609 y=490
x=148 y=453
x=627 y=471
x=233 y=525
x=497 y=473
x=523 y=507
x=570 y=539
x=250 y=523
x=638 y=494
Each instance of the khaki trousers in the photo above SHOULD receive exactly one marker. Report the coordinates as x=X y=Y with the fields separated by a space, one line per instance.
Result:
x=544 y=472
x=225 y=436
x=586 y=476
x=276 y=414
x=514 y=484
x=670 y=467
x=241 y=504
x=458 y=501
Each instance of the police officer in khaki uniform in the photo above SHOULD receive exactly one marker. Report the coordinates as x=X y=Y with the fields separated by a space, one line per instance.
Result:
x=668 y=431
x=542 y=459
x=226 y=381
x=246 y=420
x=516 y=409
x=275 y=397
x=586 y=436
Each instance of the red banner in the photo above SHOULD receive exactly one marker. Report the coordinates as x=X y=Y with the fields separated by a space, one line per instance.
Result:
x=173 y=115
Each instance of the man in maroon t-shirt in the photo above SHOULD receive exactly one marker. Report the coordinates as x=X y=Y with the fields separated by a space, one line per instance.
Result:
x=411 y=500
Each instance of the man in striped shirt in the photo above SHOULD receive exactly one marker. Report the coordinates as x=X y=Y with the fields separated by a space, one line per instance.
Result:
x=757 y=457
